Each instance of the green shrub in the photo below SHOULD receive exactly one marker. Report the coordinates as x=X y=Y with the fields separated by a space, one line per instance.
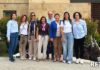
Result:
x=91 y=30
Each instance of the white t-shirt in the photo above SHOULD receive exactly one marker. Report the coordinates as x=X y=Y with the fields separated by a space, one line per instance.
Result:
x=58 y=30
x=66 y=26
x=24 y=28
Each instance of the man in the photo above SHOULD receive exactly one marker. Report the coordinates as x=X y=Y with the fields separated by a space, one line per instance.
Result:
x=50 y=48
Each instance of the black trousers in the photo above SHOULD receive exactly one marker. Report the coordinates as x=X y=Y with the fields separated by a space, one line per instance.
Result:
x=50 y=49
x=79 y=47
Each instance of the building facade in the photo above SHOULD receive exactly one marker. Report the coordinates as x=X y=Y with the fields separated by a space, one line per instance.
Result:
x=41 y=7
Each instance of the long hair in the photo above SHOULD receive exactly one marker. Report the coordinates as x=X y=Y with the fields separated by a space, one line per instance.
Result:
x=32 y=14
x=23 y=17
x=42 y=18
x=68 y=17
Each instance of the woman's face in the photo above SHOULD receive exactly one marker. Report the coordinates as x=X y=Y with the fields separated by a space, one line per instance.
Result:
x=33 y=17
x=14 y=16
x=66 y=16
x=77 y=16
x=24 y=19
x=57 y=18
x=43 y=20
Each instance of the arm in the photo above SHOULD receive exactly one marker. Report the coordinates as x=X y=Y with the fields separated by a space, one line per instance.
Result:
x=8 y=31
x=85 y=28
x=50 y=30
x=61 y=29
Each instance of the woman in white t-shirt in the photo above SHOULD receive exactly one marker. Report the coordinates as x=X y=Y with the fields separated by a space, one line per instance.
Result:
x=67 y=38
x=23 y=36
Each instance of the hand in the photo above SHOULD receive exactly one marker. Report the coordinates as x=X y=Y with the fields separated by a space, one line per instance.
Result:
x=62 y=39
x=51 y=39
x=8 y=40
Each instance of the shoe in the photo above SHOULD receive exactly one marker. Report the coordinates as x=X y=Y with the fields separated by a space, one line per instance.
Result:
x=12 y=60
x=77 y=61
x=81 y=61
x=30 y=58
x=34 y=59
x=16 y=55
x=22 y=58
x=69 y=62
x=64 y=61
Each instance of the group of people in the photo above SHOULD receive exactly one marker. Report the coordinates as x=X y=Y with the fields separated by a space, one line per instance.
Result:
x=47 y=35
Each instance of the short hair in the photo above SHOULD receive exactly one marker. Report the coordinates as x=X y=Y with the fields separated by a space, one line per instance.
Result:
x=80 y=16
x=57 y=14
x=12 y=15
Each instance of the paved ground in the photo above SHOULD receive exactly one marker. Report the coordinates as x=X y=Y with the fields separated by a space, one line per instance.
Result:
x=47 y=65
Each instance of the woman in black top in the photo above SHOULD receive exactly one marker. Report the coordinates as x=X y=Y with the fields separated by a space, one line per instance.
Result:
x=43 y=32
x=32 y=37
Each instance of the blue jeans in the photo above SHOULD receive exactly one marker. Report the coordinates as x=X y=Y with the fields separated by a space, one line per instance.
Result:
x=68 y=46
x=12 y=44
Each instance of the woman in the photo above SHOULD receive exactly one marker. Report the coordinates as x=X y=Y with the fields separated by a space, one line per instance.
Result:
x=67 y=38
x=43 y=32
x=23 y=36
x=79 y=31
x=55 y=36
x=12 y=35
x=32 y=37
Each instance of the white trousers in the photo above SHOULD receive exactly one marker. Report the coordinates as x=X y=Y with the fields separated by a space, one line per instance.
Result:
x=43 y=42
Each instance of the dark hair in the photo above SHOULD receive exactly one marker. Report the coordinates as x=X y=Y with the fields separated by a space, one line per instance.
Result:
x=57 y=14
x=80 y=16
x=12 y=15
x=42 y=18
x=22 y=18
x=68 y=16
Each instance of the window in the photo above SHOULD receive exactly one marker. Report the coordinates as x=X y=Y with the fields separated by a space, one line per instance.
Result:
x=7 y=13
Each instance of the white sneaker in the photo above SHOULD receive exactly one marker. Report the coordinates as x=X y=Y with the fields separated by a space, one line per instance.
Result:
x=77 y=61
x=81 y=61
x=64 y=61
x=22 y=58
x=69 y=62
x=34 y=59
x=30 y=58
x=16 y=55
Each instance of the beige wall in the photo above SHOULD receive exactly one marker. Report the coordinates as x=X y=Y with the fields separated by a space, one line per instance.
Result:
x=21 y=6
x=41 y=7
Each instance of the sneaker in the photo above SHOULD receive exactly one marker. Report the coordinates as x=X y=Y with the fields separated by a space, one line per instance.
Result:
x=64 y=61
x=12 y=59
x=30 y=58
x=22 y=58
x=77 y=61
x=81 y=61
x=16 y=55
x=69 y=62
x=34 y=59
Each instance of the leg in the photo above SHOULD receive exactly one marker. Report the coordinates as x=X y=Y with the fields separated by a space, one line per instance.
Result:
x=70 y=46
x=40 y=46
x=59 y=48
x=52 y=50
x=45 y=43
x=35 y=49
x=31 y=47
x=76 y=48
x=24 y=46
x=82 y=48
x=55 y=49
x=21 y=46
x=48 y=50
x=64 y=48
